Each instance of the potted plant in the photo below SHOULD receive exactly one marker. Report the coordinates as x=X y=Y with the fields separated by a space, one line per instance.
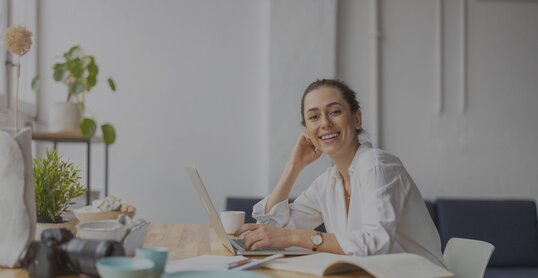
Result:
x=78 y=71
x=57 y=183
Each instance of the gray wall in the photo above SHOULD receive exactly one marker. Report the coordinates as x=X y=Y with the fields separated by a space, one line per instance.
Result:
x=218 y=84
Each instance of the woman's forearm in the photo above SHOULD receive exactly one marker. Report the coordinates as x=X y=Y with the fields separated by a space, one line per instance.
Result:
x=283 y=188
x=303 y=238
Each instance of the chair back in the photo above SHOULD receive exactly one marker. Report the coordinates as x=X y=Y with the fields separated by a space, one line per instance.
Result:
x=467 y=258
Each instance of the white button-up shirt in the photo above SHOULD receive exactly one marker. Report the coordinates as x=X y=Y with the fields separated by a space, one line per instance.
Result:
x=386 y=213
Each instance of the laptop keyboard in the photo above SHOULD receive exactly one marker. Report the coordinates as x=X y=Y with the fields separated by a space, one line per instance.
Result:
x=240 y=243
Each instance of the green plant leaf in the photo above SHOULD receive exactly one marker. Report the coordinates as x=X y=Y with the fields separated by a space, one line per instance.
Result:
x=93 y=69
x=90 y=82
x=59 y=71
x=35 y=82
x=88 y=128
x=75 y=67
x=57 y=182
x=112 y=84
x=73 y=52
x=86 y=60
x=109 y=134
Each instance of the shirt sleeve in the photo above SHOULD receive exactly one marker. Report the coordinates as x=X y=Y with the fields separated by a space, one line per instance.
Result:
x=385 y=189
x=303 y=213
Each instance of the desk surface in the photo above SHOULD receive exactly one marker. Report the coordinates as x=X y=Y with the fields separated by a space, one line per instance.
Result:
x=190 y=240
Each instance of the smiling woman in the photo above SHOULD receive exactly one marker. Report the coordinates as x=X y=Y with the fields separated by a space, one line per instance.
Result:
x=367 y=200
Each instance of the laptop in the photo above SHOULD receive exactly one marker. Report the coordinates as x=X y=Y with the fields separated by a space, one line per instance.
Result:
x=235 y=245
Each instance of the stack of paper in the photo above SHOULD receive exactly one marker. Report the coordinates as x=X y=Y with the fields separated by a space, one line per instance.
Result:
x=204 y=262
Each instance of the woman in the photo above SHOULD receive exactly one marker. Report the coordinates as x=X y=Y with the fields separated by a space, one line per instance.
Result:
x=367 y=200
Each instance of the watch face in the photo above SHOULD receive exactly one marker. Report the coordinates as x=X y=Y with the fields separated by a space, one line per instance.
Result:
x=317 y=239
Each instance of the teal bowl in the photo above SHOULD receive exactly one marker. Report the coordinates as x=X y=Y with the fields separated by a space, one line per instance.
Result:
x=124 y=267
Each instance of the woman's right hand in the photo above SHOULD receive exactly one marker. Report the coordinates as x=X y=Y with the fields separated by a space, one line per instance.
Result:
x=305 y=152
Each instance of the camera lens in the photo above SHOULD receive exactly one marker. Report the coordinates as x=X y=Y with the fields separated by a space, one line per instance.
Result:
x=57 y=235
x=83 y=254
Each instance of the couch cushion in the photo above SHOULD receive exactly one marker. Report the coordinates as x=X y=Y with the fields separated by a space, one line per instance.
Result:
x=511 y=226
x=512 y=272
x=433 y=212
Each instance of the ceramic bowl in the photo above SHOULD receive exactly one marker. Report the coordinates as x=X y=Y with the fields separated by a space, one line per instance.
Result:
x=96 y=216
x=102 y=230
x=125 y=267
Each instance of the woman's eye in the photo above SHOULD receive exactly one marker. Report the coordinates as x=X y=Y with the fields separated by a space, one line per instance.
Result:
x=313 y=117
x=336 y=112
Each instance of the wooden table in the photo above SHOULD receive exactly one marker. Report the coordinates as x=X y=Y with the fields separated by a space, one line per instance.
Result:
x=190 y=240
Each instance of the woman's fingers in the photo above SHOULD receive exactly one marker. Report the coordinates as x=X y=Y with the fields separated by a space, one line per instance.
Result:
x=307 y=138
x=245 y=228
x=252 y=238
x=260 y=244
x=267 y=236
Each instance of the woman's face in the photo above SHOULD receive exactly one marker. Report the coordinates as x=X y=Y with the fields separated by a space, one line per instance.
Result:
x=329 y=122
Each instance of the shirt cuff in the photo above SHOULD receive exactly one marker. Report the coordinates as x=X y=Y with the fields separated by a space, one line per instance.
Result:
x=348 y=244
x=278 y=215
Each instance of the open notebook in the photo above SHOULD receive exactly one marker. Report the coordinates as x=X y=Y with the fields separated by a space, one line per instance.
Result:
x=382 y=266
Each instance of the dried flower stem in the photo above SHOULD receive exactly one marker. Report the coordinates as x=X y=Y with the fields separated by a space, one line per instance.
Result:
x=18 y=41
x=17 y=95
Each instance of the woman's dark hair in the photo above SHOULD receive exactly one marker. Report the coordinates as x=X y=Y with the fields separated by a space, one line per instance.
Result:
x=349 y=95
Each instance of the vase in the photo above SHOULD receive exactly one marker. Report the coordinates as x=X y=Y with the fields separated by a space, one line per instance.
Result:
x=17 y=203
x=70 y=225
x=65 y=116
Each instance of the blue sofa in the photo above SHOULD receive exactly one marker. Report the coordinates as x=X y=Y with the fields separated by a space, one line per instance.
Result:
x=510 y=225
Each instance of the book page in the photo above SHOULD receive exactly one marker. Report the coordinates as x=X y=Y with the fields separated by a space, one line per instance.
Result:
x=312 y=264
x=399 y=265
x=204 y=262
x=382 y=266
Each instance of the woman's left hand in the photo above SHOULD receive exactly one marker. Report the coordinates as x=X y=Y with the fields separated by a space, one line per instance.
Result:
x=262 y=235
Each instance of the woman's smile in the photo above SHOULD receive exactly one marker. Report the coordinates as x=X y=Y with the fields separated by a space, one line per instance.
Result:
x=329 y=137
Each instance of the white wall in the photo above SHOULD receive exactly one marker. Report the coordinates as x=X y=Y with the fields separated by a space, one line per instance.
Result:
x=488 y=151
x=302 y=49
x=218 y=84
x=188 y=76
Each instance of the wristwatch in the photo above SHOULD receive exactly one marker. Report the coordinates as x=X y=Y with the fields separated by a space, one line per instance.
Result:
x=317 y=240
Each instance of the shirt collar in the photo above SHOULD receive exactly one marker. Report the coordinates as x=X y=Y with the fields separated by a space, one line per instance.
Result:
x=365 y=144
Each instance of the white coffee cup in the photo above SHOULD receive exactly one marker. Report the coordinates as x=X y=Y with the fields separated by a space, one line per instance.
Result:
x=232 y=220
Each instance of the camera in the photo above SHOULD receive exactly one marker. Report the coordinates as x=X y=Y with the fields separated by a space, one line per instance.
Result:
x=59 y=253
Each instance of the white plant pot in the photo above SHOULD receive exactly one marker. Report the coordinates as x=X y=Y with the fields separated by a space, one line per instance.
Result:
x=70 y=225
x=65 y=116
